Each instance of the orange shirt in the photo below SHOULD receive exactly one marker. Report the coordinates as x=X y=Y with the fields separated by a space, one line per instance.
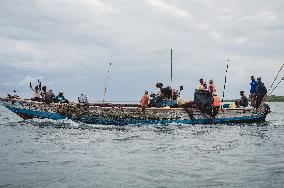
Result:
x=213 y=88
x=216 y=101
x=144 y=100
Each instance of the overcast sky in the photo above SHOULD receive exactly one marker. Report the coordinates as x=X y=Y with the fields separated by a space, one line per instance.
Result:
x=69 y=44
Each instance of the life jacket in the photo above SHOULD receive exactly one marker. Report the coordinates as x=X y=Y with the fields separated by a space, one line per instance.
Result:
x=261 y=89
x=216 y=101
x=211 y=88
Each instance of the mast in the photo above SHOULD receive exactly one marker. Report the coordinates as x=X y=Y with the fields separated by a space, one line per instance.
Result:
x=106 y=82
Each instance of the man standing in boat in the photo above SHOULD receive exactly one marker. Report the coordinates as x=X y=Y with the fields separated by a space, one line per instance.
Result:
x=253 y=86
x=261 y=92
x=243 y=102
x=211 y=87
x=37 y=91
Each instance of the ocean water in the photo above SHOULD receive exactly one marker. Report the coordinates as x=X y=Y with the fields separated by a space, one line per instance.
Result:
x=44 y=153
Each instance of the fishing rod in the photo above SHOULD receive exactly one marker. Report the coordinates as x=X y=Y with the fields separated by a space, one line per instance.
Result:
x=171 y=66
x=276 y=86
x=224 y=88
x=276 y=77
x=172 y=72
x=106 y=81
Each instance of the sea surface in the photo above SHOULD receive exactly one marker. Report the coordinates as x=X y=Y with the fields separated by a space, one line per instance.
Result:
x=55 y=154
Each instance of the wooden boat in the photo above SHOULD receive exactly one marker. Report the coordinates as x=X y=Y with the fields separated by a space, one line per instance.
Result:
x=123 y=114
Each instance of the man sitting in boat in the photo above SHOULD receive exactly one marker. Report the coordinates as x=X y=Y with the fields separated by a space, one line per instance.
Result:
x=243 y=102
x=49 y=97
x=165 y=92
x=60 y=98
x=165 y=97
x=14 y=95
x=83 y=99
x=144 y=101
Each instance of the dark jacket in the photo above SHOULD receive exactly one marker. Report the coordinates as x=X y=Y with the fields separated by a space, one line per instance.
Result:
x=244 y=101
x=49 y=97
x=167 y=92
x=261 y=89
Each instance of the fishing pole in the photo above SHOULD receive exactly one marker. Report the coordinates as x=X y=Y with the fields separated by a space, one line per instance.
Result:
x=172 y=72
x=224 y=88
x=106 y=81
x=276 y=77
x=171 y=66
x=276 y=86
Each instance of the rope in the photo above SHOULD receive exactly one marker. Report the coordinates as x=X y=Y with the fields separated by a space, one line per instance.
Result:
x=276 y=77
x=276 y=86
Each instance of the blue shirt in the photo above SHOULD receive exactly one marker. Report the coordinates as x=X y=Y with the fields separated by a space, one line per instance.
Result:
x=253 y=85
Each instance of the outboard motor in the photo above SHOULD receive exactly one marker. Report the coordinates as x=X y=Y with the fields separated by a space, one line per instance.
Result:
x=266 y=109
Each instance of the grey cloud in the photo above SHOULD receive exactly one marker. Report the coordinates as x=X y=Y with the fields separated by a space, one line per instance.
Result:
x=70 y=43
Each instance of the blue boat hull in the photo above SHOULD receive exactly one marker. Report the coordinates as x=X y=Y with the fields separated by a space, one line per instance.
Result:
x=29 y=113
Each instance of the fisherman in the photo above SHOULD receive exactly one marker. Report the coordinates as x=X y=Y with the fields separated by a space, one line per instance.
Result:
x=165 y=92
x=144 y=101
x=216 y=105
x=60 y=98
x=205 y=85
x=253 y=85
x=14 y=96
x=243 y=101
x=211 y=87
x=83 y=99
x=202 y=85
x=261 y=92
x=37 y=92
x=216 y=101
x=49 y=97
x=43 y=93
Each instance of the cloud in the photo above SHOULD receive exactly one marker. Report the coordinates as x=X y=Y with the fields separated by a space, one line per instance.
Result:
x=5 y=83
x=70 y=43
x=169 y=8
x=96 y=4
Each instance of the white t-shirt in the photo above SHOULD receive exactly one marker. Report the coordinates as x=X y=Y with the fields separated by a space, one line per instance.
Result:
x=82 y=99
